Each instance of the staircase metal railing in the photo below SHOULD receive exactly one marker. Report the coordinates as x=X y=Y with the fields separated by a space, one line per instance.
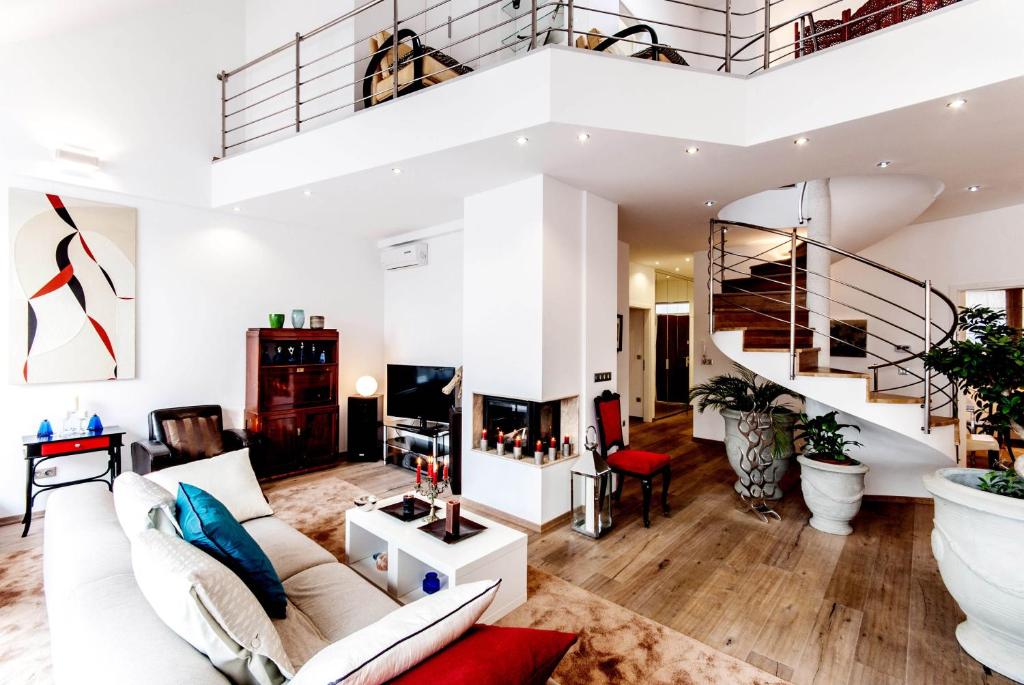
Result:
x=326 y=73
x=896 y=334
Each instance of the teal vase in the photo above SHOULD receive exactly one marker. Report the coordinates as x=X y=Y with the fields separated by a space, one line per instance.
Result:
x=298 y=318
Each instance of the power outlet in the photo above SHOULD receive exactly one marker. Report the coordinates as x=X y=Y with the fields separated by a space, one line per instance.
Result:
x=602 y=376
x=48 y=472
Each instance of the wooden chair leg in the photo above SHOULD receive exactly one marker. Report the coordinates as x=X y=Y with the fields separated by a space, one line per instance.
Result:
x=647 y=486
x=666 y=478
x=620 y=480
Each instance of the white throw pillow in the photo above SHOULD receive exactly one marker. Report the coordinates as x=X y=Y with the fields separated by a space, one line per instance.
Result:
x=141 y=504
x=400 y=640
x=206 y=604
x=228 y=477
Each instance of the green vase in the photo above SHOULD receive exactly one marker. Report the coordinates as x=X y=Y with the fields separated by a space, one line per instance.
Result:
x=276 y=320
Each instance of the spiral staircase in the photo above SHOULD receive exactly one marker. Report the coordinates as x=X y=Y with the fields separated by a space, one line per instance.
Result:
x=768 y=308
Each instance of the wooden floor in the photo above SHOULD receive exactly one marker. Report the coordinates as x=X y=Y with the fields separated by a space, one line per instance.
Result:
x=807 y=606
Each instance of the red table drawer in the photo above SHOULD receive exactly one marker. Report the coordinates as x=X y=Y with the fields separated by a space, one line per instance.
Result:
x=72 y=446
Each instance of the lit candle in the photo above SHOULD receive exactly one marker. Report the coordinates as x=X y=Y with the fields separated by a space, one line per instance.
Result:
x=433 y=471
x=519 y=442
x=446 y=468
x=419 y=466
x=554 y=443
x=553 y=448
x=566 y=447
x=540 y=446
x=483 y=440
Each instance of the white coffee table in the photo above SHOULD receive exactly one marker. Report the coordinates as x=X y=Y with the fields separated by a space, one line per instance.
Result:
x=498 y=552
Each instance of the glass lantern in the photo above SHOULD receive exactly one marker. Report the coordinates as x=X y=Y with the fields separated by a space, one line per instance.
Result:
x=591 y=491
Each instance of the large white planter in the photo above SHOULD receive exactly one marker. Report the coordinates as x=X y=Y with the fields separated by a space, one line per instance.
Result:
x=978 y=542
x=833 y=493
x=736 y=445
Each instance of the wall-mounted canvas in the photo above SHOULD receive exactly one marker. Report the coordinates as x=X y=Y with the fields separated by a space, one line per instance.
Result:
x=72 y=289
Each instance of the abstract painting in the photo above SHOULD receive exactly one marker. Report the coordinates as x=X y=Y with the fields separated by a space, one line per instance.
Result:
x=72 y=289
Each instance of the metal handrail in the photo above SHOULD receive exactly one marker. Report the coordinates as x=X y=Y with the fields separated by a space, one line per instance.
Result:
x=717 y=262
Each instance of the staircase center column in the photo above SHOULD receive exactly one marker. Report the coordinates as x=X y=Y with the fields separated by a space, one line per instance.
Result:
x=818 y=206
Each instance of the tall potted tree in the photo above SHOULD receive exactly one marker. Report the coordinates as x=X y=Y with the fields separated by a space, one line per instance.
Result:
x=744 y=391
x=832 y=482
x=978 y=538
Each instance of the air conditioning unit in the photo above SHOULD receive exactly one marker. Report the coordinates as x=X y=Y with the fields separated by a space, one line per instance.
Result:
x=403 y=256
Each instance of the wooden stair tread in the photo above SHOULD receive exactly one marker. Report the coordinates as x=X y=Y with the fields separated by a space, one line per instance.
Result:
x=936 y=421
x=833 y=372
x=893 y=398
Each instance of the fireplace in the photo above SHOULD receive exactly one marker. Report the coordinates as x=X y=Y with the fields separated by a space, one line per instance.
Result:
x=521 y=418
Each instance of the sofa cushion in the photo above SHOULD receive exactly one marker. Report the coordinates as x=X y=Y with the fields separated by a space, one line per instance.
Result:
x=194 y=437
x=228 y=477
x=289 y=550
x=140 y=504
x=207 y=605
x=493 y=655
x=300 y=637
x=208 y=525
x=337 y=599
x=638 y=461
x=400 y=640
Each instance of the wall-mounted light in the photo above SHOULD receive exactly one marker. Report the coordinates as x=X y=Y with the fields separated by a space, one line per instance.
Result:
x=79 y=157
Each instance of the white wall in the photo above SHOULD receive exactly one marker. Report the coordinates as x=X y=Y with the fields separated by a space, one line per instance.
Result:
x=423 y=304
x=708 y=360
x=203 y=276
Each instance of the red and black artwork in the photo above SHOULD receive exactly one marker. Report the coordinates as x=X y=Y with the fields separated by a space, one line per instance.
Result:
x=73 y=289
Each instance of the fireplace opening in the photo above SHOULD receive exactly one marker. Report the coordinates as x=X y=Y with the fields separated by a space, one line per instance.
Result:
x=528 y=420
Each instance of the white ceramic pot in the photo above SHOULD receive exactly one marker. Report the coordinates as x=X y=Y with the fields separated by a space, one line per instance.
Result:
x=736 y=445
x=978 y=542
x=832 y=492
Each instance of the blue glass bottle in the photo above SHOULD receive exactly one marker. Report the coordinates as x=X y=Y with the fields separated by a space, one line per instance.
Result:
x=45 y=430
x=431 y=583
x=95 y=425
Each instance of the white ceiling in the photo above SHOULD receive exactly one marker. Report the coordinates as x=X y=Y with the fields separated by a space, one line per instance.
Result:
x=661 y=191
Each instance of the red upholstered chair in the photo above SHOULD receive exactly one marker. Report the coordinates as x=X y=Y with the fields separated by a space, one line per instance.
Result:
x=626 y=462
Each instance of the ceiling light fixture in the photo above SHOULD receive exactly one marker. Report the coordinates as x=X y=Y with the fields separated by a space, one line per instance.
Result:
x=677 y=268
x=687 y=259
x=884 y=164
x=583 y=137
x=522 y=140
x=396 y=170
x=957 y=103
x=973 y=189
x=709 y=203
x=307 y=192
x=236 y=209
x=657 y=263
x=801 y=141
x=692 y=150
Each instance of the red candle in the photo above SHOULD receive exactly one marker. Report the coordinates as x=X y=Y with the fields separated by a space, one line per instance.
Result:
x=501 y=436
x=540 y=446
x=483 y=434
x=446 y=469
x=566 y=440
x=554 y=443
x=519 y=442
x=433 y=472
x=418 y=467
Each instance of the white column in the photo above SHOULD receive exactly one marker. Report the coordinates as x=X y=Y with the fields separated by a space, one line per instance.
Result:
x=818 y=206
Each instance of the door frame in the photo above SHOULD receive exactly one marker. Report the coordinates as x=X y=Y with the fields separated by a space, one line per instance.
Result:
x=649 y=357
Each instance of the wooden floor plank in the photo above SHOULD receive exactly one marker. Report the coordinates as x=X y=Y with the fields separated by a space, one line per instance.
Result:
x=830 y=654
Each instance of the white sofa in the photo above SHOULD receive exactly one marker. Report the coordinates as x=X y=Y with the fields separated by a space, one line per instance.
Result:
x=104 y=631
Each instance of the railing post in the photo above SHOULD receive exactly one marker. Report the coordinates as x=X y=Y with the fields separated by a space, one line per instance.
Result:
x=533 y=25
x=711 y=279
x=874 y=378
x=721 y=256
x=223 y=78
x=767 y=33
x=394 y=50
x=792 y=305
x=728 y=36
x=568 y=22
x=927 y=427
x=298 y=82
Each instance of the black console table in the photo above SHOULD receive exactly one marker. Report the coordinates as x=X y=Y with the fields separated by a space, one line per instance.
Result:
x=40 y=450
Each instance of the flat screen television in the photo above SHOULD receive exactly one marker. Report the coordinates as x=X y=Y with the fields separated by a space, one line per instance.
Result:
x=414 y=392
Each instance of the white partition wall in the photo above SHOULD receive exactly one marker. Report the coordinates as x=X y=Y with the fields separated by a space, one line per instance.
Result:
x=539 y=308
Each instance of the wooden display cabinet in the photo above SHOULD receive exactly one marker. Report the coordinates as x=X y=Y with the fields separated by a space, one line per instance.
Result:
x=291 y=399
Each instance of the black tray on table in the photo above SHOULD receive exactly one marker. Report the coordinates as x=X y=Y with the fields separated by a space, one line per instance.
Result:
x=420 y=509
x=467 y=529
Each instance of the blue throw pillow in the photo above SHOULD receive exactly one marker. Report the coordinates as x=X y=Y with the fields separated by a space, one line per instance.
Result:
x=207 y=524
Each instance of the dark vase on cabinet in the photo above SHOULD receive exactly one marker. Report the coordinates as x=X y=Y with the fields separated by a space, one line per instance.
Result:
x=291 y=399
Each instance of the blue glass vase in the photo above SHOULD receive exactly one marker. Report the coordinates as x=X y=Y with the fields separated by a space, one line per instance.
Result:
x=45 y=430
x=298 y=318
x=95 y=425
x=431 y=583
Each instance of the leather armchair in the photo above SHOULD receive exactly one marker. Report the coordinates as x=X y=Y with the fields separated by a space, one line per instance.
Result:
x=155 y=454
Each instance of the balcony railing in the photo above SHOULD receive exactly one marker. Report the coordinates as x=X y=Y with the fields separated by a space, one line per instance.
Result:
x=348 y=64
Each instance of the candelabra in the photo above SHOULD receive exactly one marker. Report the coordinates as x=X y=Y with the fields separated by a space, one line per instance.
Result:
x=435 y=483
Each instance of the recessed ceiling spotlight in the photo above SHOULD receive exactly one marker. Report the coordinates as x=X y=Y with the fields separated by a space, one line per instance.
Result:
x=973 y=189
x=687 y=259
x=583 y=137
x=657 y=263
x=692 y=150
x=307 y=192
x=709 y=203
x=884 y=164
x=396 y=170
x=801 y=141
x=677 y=268
x=957 y=103
x=522 y=140
x=236 y=209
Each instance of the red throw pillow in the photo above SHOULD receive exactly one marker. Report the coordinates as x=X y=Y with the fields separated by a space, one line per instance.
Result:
x=493 y=655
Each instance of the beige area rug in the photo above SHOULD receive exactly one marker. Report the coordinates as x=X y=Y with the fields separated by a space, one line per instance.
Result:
x=615 y=645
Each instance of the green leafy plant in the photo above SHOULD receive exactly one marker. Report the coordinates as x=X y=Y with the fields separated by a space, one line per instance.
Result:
x=989 y=362
x=745 y=391
x=824 y=440
x=1006 y=483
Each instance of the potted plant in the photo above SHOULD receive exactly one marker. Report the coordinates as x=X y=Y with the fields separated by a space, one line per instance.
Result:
x=978 y=538
x=832 y=481
x=731 y=394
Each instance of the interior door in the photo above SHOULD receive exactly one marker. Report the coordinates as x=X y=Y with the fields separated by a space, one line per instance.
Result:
x=672 y=377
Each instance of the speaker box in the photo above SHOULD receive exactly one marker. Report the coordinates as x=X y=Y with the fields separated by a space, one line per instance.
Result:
x=365 y=416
